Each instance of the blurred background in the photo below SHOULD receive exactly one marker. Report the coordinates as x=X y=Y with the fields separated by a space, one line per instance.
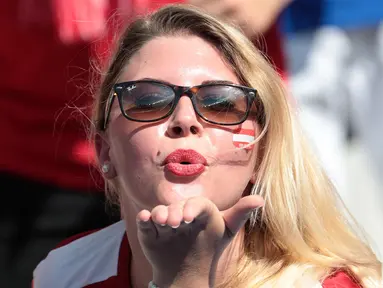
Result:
x=334 y=57
x=329 y=51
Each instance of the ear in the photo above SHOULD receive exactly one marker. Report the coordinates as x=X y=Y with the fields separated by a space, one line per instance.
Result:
x=103 y=155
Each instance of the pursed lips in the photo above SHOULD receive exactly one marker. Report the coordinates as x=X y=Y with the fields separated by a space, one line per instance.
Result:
x=185 y=162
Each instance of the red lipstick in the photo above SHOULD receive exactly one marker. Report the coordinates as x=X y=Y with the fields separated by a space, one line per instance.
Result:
x=185 y=162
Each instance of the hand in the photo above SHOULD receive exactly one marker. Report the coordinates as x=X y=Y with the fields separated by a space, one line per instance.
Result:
x=253 y=16
x=184 y=241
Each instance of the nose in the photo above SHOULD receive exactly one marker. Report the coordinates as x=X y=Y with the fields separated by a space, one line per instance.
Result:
x=184 y=121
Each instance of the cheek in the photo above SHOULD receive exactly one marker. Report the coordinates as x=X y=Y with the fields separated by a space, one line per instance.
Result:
x=130 y=149
x=225 y=142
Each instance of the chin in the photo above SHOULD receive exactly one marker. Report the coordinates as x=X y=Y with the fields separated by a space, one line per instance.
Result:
x=175 y=192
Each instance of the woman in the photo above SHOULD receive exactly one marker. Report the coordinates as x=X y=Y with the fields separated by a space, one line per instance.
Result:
x=193 y=131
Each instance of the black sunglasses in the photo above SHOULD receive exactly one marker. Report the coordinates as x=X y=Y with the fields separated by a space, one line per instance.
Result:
x=217 y=102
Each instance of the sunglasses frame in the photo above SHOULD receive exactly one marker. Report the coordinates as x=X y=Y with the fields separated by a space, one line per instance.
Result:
x=179 y=91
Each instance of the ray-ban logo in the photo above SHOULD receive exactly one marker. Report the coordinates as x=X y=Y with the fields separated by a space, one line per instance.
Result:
x=131 y=87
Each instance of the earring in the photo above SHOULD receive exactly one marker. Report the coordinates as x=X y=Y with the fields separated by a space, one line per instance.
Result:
x=105 y=167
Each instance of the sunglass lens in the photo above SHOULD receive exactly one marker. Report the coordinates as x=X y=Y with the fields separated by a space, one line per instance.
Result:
x=147 y=101
x=222 y=104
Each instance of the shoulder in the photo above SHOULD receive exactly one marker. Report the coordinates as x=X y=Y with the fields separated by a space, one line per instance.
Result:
x=82 y=260
x=340 y=280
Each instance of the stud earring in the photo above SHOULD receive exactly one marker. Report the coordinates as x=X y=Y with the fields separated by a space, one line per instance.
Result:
x=105 y=167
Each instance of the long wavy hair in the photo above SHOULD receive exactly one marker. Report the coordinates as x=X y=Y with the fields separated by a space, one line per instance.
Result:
x=303 y=233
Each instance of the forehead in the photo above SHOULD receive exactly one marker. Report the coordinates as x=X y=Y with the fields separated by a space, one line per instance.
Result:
x=181 y=60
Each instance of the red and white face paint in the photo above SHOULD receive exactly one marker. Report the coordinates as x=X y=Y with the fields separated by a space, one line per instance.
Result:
x=243 y=137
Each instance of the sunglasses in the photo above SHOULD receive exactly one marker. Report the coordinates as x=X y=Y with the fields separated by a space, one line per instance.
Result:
x=217 y=102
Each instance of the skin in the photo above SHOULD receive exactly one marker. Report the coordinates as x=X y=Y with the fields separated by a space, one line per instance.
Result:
x=213 y=202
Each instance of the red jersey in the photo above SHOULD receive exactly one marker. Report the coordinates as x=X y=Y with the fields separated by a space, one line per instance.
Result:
x=44 y=75
x=101 y=259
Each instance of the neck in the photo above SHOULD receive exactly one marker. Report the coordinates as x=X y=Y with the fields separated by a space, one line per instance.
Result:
x=141 y=270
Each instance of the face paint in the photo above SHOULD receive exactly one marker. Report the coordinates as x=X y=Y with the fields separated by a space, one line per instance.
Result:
x=243 y=137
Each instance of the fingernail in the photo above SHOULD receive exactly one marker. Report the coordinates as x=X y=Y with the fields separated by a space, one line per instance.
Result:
x=162 y=225
x=139 y=221
x=187 y=222
x=175 y=227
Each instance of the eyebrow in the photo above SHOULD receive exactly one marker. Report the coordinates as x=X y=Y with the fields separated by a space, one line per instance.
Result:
x=203 y=83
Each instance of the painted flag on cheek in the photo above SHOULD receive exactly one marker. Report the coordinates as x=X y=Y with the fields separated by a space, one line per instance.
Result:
x=243 y=137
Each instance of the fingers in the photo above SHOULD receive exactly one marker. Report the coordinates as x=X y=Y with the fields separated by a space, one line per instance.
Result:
x=236 y=216
x=159 y=215
x=161 y=221
x=143 y=216
x=199 y=207
x=176 y=214
x=164 y=219
x=145 y=224
x=168 y=215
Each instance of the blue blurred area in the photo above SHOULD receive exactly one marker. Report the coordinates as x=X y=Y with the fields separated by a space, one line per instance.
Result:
x=304 y=15
x=334 y=54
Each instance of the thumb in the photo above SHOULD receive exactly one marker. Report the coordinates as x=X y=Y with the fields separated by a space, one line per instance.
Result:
x=236 y=216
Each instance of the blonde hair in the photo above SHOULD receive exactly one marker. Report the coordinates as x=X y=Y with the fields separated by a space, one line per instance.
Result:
x=302 y=235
